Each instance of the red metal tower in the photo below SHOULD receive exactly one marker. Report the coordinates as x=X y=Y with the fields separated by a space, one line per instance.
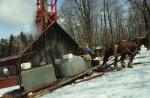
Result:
x=46 y=13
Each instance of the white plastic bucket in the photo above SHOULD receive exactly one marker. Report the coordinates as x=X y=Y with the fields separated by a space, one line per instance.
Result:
x=26 y=65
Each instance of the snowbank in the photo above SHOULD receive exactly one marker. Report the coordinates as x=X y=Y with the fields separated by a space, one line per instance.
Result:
x=5 y=90
x=128 y=83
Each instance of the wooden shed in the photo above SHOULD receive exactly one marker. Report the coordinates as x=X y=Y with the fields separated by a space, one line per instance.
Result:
x=48 y=46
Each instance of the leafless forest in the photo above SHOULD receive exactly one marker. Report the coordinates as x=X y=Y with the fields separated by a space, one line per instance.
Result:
x=98 y=22
x=101 y=22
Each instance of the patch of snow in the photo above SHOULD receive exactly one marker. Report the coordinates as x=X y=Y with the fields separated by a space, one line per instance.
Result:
x=5 y=90
x=128 y=83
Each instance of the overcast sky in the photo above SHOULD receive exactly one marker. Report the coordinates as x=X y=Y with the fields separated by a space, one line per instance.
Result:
x=16 y=16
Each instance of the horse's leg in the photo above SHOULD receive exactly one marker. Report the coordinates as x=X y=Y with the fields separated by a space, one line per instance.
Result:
x=115 y=54
x=116 y=60
x=130 y=61
x=105 y=59
x=123 y=56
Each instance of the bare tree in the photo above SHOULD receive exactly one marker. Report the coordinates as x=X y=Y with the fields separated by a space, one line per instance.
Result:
x=101 y=22
x=144 y=8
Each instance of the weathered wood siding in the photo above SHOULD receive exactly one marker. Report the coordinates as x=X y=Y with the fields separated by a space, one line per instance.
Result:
x=52 y=44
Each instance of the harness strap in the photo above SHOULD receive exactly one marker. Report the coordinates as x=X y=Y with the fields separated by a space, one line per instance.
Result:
x=132 y=53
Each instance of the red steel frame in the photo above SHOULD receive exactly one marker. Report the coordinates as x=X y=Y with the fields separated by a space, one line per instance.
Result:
x=51 y=15
x=45 y=16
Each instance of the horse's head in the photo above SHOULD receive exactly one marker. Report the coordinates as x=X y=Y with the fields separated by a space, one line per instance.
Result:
x=146 y=43
x=143 y=41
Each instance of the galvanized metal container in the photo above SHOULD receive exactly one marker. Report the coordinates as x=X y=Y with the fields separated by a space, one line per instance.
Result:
x=38 y=77
x=73 y=66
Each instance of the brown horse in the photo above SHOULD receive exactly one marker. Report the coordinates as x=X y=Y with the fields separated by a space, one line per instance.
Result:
x=131 y=48
x=128 y=48
x=125 y=48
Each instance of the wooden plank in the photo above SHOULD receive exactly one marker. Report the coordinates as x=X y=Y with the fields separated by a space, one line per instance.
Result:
x=89 y=78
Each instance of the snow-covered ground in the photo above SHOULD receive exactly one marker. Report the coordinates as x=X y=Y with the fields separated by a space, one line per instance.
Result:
x=128 y=83
x=5 y=90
